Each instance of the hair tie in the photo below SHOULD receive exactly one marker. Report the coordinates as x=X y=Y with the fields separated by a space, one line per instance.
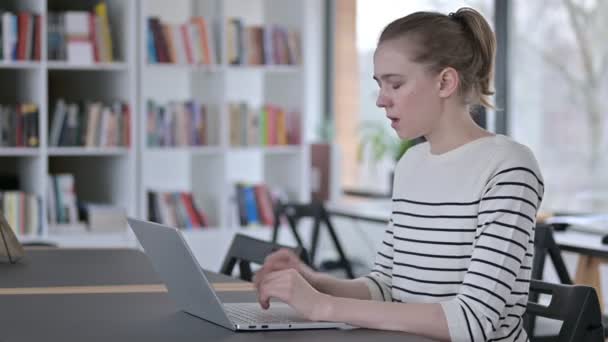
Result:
x=454 y=16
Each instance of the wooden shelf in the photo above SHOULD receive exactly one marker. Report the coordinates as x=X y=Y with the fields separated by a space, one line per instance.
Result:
x=88 y=151
x=268 y=149
x=194 y=150
x=266 y=68
x=59 y=65
x=19 y=151
x=185 y=67
x=26 y=65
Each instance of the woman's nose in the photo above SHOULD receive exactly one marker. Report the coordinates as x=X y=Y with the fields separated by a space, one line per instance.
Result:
x=382 y=101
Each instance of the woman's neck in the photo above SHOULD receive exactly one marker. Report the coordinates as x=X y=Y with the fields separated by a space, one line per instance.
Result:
x=453 y=130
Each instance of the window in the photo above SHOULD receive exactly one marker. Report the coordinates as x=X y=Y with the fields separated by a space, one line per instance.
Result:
x=559 y=72
x=356 y=104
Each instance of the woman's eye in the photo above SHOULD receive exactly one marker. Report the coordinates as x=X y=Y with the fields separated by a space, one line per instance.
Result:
x=396 y=86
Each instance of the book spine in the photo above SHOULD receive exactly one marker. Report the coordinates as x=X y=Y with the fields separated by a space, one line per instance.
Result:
x=150 y=42
x=101 y=10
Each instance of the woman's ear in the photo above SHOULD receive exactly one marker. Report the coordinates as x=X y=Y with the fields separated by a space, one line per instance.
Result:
x=448 y=82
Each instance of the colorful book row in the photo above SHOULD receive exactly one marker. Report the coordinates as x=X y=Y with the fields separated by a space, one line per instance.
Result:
x=181 y=124
x=269 y=125
x=254 y=205
x=176 y=209
x=261 y=45
x=20 y=36
x=22 y=211
x=19 y=125
x=90 y=124
x=80 y=37
x=191 y=42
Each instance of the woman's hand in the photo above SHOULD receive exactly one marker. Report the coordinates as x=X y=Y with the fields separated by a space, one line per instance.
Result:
x=289 y=286
x=283 y=259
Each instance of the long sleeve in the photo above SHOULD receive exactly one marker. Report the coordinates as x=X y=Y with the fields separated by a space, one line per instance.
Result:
x=494 y=290
x=379 y=279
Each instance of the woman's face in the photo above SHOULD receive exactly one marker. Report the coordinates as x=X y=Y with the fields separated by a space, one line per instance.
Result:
x=408 y=91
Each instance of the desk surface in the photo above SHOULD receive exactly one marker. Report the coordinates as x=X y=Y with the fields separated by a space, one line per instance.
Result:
x=586 y=243
x=146 y=317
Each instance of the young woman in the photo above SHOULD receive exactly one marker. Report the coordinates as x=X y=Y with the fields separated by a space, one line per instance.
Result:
x=456 y=257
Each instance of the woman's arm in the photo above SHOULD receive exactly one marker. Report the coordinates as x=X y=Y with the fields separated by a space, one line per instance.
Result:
x=285 y=259
x=353 y=288
x=416 y=318
x=290 y=287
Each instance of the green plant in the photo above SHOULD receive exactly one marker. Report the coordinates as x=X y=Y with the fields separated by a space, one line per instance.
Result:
x=382 y=143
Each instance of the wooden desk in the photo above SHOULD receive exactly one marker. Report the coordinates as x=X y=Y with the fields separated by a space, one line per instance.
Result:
x=124 y=314
x=592 y=253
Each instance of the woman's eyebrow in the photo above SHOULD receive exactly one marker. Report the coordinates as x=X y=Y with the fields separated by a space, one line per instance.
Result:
x=386 y=76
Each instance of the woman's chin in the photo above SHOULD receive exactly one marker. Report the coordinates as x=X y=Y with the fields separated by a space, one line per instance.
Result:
x=403 y=135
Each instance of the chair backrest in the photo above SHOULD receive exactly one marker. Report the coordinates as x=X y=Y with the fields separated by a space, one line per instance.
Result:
x=544 y=244
x=245 y=250
x=293 y=212
x=577 y=306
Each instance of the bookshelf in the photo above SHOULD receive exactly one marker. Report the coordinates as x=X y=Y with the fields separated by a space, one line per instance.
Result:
x=211 y=171
x=122 y=176
x=102 y=175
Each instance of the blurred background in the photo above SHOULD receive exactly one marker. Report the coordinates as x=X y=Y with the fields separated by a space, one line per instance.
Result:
x=204 y=114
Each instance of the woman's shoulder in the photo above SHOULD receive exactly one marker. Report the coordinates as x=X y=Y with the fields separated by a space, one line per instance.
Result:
x=508 y=150
x=509 y=154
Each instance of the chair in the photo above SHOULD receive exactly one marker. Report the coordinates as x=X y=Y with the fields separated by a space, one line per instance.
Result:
x=577 y=306
x=245 y=250
x=293 y=212
x=545 y=245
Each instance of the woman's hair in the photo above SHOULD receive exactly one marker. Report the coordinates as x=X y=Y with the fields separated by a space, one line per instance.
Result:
x=462 y=40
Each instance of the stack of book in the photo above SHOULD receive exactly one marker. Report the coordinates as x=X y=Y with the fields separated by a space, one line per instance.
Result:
x=90 y=124
x=186 y=43
x=254 y=204
x=80 y=37
x=22 y=211
x=269 y=125
x=181 y=124
x=20 y=36
x=103 y=218
x=62 y=199
x=176 y=209
x=19 y=125
x=261 y=45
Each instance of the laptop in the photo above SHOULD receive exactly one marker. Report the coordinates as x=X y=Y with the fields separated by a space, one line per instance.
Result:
x=190 y=289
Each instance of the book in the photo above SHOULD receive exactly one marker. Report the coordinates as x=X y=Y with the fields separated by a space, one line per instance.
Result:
x=251 y=206
x=255 y=204
x=176 y=209
x=104 y=218
x=80 y=47
x=193 y=216
x=20 y=36
x=67 y=203
x=265 y=207
x=19 y=125
x=241 y=204
x=106 y=50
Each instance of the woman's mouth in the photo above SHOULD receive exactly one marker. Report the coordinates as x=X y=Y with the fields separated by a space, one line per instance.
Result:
x=394 y=121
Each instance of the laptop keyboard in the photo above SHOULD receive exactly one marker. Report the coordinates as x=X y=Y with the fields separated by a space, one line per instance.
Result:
x=252 y=313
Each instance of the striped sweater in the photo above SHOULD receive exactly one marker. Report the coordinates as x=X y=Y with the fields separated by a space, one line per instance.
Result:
x=461 y=234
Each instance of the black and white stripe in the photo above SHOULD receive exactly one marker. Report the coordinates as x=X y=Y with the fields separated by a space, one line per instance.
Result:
x=461 y=234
